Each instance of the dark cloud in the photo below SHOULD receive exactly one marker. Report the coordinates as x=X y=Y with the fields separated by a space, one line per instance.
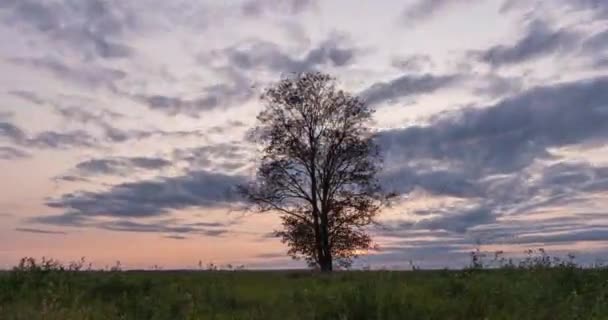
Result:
x=102 y=119
x=90 y=115
x=258 y=8
x=228 y=127
x=449 y=181
x=176 y=237
x=405 y=86
x=167 y=226
x=116 y=135
x=42 y=231
x=46 y=139
x=6 y=115
x=70 y=178
x=597 y=8
x=539 y=41
x=88 y=75
x=10 y=153
x=106 y=121
x=79 y=112
x=238 y=88
x=424 y=9
x=437 y=255
x=514 y=195
x=334 y=51
x=68 y=219
x=486 y=155
x=596 y=48
x=597 y=42
x=494 y=85
x=11 y=132
x=457 y=220
x=588 y=233
x=212 y=97
x=510 y=134
x=270 y=255
x=120 y=165
x=27 y=96
x=93 y=28
x=62 y=140
x=75 y=138
x=601 y=62
x=153 y=197
x=159 y=227
x=223 y=156
x=413 y=63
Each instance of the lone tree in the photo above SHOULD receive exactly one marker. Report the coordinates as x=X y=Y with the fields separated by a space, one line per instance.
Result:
x=317 y=170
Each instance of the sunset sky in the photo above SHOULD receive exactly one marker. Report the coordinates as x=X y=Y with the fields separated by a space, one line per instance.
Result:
x=122 y=125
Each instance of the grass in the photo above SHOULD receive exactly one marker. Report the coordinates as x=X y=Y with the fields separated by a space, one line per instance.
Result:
x=536 y=290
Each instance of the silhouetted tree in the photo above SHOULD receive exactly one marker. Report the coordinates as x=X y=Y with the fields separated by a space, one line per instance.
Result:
x=317 y=169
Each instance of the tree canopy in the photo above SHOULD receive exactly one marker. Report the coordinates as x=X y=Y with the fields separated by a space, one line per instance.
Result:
x=318 y=169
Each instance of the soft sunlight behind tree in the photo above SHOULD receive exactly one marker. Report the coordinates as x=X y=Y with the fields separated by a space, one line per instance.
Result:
x=318 y=169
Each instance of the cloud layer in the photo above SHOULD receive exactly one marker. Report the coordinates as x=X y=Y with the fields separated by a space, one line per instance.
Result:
x=128 y=116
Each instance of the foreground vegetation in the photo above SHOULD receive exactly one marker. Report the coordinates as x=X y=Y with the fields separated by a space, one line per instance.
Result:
x=540 y=288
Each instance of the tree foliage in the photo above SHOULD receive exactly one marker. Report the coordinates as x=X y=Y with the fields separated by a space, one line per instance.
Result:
x=318 y=169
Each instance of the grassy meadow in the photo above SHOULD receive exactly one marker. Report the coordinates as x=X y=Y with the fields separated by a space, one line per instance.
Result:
x=538 y=290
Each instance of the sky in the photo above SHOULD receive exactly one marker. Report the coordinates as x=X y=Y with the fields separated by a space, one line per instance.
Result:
x=123 y=125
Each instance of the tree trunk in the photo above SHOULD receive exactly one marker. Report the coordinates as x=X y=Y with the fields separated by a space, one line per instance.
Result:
x=320 y=245
x=328 y=263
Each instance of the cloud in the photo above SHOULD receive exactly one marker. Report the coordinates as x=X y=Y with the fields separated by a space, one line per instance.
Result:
x=11 y=132
x=68 y=219
x=212 y=97
x=46 y=139
x=88 y=116
x=10 y=153
x=493 y=85
x=153 y=197
x=120 y=165
x=167 y=226
x=511 y=134
x=457 y=220
x=4 y=115
x=222 y=156
x=334 y=51
x=258 y=8
x=597 y=8
x=428 y=256
x=62 y=140
x=441 y=181
x=42 y=231
x=413 y=63
x=27 y=96
x=539 y=41
x=588 y=233
x=93 y=28
x=495 y=158
x=104 y=119
x=424 y=9
x=596 y=47
x=176 y=237
x=88 y=75
x=406 y=86
x=159 y=227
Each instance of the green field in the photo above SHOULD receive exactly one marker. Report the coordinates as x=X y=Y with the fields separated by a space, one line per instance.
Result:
x=565 y=292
